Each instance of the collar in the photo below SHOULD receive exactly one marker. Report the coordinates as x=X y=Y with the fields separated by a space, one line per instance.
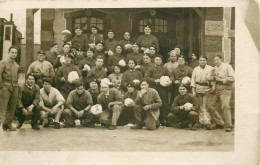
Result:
x=30 y=87
x=106 y=94
x=131 y=70
x=98 y=68
x=204 y=67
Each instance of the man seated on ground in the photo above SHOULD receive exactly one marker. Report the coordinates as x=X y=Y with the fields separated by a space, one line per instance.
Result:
x=184 y=111
x=147 y=107
x=111 y=101
x=78 y=103
x=41 y=68
x=52 y=103
x=28 y=102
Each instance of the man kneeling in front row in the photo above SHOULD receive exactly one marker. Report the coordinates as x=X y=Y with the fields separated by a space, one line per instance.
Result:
x=52 y=103
x=28 y=102
x=147 y=107
x=79 y=103
x=184 y=111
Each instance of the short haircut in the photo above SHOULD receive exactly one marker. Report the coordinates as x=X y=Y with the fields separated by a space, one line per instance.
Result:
x=27 y=76
x=48 y=80
x=13 y=47
x=218 y=55
x=183 y=85
x=203 y=57
x=133 y=61
x=100 y=57
x=79 y=84
x=116 y=66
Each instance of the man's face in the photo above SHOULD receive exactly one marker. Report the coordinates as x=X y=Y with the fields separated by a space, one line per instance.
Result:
x=99 y=47
x=135 y=48
x=93 y=30
x=152 y=50
x=66 y=48
x=217 y=61
x=93 y=85
x=158 y=61
x=55 y=48
x=104 y=89
x=68 y=60
x=80 y=90
x=73 y=50
x=181 y=61
x=41 y=57
x=144 y=85
x=127 y=36
x=130 y=89
x=117 y=69
x=118 y=49
x=146 y=59
x=47 y=87
x=110 y=35
x=13 y=53
x=30 y=80
x=193 y=57
x=78 y=32
x=182 y=90
x=90 y=54
x=131 y=64
x=147 y=30
x=173 y=57
x=202 y=61
x=99 y=62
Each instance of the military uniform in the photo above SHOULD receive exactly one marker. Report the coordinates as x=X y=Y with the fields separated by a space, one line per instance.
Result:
x=27 y=96
x=148 y=40
x=114 y=60
x=154 y=73
x=150 y=116
x=129 y=76
x=8 y=90
x=96 y=73
x=80 y=41
x=93 y=38
x=63 y=71
x=138 y=57
x=180 y=116
x=110 y=44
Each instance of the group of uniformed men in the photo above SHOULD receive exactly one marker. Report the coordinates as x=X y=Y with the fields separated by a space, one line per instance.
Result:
x=127 y=79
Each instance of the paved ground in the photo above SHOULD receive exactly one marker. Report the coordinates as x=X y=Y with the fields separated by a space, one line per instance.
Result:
x=121 y=139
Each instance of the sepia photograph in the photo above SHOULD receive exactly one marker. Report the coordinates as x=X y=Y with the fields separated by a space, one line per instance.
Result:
x=120 y=79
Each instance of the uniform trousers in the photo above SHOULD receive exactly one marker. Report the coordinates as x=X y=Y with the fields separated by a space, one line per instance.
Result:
x=141 y=116
x=8 y=102
x=34 y=117
x=110 y=117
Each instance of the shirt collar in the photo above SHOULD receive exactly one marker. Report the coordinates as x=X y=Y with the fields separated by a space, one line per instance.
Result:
x=30 y=87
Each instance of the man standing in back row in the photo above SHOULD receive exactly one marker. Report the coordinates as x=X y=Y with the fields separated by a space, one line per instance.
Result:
x=8 y=89
x=147 y=40
x=225 y=77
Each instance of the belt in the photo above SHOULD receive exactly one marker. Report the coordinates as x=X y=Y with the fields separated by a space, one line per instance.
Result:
x=202 y=84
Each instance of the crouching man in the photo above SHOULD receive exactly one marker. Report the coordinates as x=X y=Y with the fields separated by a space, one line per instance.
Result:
x=79 y=103
x=147 y=107
x=184 y=110
x=52 y=103
x=28 y=103
x=111 y=101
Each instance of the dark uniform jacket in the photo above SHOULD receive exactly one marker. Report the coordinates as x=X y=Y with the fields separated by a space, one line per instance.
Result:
x=183 y=99
x=80 y=41
x=28 y=96
x=148 y=40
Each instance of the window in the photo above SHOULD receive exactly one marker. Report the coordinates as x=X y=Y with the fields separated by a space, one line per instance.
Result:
x=86 y=22
x=7 y=33
x=157 y=25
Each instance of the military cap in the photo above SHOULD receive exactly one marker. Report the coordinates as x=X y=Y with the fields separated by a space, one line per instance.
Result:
x=131 y=84
x=111 y=31
x=41 y=52
x=78 y=27
x=100 y=42
x=157 y=55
